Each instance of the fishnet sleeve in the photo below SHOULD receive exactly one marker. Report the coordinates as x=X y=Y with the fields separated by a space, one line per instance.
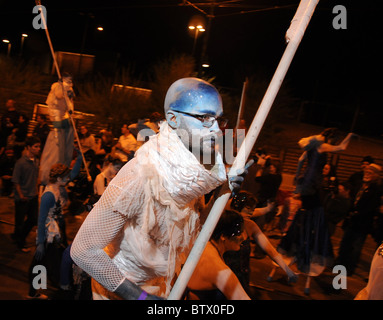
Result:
x=101 y=226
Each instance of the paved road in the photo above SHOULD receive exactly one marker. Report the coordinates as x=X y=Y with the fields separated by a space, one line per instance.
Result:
x=14 y=266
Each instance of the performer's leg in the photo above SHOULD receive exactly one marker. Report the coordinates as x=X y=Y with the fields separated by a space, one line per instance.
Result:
x=31 y=210
x=69 y=140
x=19 y=221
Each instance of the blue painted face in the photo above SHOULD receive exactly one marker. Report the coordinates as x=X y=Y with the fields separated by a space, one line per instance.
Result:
x=194 y=96
x=191 y=98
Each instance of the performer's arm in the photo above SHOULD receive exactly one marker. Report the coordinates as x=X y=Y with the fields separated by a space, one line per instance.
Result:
x=47 y=202
x=326 y=147
x=262 y=211
x=98 y=230
x=227 y=282
x=77 y=166
x=256 y=234
x=301 y=161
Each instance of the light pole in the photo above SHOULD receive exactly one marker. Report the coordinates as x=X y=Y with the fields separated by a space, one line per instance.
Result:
x=23 y=36
x=197 y=29
x=9 y=46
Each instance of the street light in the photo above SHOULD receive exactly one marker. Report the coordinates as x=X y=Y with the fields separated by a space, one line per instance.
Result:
x=100 y=28
x=197 y=29
x=23 y=36
x=9 y=46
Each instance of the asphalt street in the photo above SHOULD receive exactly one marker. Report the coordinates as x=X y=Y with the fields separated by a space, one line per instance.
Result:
x=14 y=267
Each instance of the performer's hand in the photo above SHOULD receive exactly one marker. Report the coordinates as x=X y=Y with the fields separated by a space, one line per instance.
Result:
x=130 y=291
x=236 y=181
x=40 y=252
x=70 y=94
x=292 y=277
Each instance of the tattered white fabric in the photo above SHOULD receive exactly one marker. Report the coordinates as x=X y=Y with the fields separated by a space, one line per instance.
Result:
x=147 y=217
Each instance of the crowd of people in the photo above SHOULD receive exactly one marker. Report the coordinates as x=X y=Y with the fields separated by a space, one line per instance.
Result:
x=145 y=215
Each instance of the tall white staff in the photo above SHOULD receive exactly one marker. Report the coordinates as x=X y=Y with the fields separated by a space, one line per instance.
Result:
x=294 y=36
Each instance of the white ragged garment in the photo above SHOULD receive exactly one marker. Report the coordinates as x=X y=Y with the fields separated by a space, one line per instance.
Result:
x=147 y=219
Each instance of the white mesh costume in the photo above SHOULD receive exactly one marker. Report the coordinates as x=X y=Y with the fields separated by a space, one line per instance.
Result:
x=147 y=218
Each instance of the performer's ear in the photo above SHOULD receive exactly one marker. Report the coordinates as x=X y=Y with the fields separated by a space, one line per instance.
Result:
x=172 y=119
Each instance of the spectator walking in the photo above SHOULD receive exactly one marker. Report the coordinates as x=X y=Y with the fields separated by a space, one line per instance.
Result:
x=25 y=179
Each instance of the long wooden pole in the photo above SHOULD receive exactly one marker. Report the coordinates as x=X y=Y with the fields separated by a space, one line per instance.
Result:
x=294 y=36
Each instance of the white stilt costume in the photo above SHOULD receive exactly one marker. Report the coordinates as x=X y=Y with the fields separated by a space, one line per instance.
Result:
x=59 y=144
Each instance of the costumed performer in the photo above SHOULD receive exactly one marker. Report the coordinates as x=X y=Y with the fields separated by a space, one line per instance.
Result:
x=59 y=144
x=307 y=242
x=139 y=233
x=51 y=238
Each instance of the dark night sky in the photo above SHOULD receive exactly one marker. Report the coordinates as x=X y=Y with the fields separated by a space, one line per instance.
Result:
x=332 y=66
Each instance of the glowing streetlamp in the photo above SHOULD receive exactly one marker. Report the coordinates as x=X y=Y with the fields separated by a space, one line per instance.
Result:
x=197 y=29
x=23 y=36
x=100 y=28
x=9 y=46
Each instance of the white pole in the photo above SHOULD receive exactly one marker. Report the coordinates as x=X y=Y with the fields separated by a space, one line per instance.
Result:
x=294 y=36
x=240 y=111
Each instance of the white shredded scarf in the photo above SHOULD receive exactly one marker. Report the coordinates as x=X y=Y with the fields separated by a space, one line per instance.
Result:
x=174 y=181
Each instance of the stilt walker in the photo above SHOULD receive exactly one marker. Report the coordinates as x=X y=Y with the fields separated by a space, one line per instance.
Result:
x=294 y=36
x=60 y=141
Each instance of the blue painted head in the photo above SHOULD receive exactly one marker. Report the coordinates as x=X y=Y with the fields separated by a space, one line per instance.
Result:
x=193 y=95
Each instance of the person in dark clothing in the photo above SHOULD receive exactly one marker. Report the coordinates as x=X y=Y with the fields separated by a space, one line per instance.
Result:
x=21 y=134
x=356 y=179
x=7 y=163
x=308 y=239
x=358 y=224
x=337 y=205
x=42 y=129
x=9 y=121
x=24 y=178
x=269 y=178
